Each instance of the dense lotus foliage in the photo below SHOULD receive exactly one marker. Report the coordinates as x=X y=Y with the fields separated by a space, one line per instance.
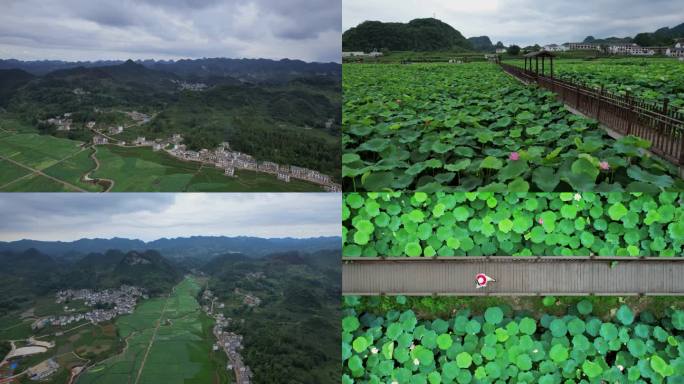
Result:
x=519 y=224
x=469 y=127
x=503 y=346
x=646 y=79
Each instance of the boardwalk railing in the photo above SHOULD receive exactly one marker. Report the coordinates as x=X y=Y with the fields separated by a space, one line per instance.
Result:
x=663 y=127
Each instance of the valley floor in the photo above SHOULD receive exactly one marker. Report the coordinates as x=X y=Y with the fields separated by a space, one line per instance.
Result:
x=167 y=340
x=40 y=163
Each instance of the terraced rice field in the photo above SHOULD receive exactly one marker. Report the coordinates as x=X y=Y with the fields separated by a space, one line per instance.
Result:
x=168 y=340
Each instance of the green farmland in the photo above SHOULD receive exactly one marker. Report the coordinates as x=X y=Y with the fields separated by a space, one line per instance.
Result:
x=167 y=340
x=143 y=170
x=40 y=163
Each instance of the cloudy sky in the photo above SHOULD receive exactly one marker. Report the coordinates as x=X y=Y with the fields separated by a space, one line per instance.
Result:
x=149 y=216
x=170 y=29
x=525 y=22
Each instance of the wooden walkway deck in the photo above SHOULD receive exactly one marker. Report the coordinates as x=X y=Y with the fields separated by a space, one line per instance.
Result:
x=519 y=276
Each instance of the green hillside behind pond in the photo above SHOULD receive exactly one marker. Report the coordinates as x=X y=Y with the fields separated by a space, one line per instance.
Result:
x=416 y=35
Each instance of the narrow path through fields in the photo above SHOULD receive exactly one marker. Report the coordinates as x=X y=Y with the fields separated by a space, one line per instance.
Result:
x=41 y=173
x=514 y=276
x=87 y=177
x=154 y=335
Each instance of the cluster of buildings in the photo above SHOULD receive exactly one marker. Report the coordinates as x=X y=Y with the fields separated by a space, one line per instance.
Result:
x=120 y=301
x=251 y=300
x=138 y=117
x=255 y=275
x=228 y=160
x=222 y=157
x=186 y=86
x=115 y=130
x=360 y=54
x=631 y=49
x=43 y=370
x=63 y=123
x=248 y=299
x=229 y=342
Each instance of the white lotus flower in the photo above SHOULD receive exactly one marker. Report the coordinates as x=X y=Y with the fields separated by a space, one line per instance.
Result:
x=621 y=368
x=578 y=197
x=374 y=350
x=416 y=362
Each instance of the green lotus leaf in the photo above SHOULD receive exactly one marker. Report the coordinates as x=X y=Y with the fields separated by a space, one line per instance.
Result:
x=661 y=366
x=558 y=353
x=350 y=324
x=458 y=166
x=591 y=369
x=413 y=249
x=584 y=307
x=617 y=211
x=444 y=341
x=464 y=360
x=493 y=315
x=360 y=344
x=491 y=162
x=625 y=315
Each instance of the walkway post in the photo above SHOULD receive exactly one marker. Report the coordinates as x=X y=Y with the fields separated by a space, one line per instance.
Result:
x=629 y=114
x=600 y=103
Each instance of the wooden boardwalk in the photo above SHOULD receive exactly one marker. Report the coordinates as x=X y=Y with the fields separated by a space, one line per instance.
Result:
x=519 y=276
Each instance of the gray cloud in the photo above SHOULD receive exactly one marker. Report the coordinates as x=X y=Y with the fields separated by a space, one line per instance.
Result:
x=526 y=22
x=46 y=216
x=170 y=29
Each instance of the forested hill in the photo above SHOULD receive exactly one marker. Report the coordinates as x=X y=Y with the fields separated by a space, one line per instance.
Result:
x=30 y=273
x=197 y=246
x=416 y=35
x=482 y=44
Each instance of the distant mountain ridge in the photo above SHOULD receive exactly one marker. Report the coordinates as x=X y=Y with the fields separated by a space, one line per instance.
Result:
x=417 y=35
x=34 y=272
x=245 y=69
x=178 y=247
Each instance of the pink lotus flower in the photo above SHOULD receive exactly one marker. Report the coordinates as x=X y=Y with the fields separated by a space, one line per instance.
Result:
x=540 y=221
x=604 y=165
x=514 y=156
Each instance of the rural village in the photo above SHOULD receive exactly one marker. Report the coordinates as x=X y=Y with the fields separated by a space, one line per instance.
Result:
x=222 y=157
x=114 y=302
x=230 y=342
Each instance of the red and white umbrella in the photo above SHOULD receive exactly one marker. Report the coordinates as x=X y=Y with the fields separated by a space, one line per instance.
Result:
x=483 y=279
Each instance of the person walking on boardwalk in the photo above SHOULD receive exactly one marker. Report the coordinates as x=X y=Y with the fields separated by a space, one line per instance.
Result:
x=482 y=280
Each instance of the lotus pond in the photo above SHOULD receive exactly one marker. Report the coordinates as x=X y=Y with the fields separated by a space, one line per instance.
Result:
x=645 y=78
x=500 y=344
x=517 y=223
x=432 y=127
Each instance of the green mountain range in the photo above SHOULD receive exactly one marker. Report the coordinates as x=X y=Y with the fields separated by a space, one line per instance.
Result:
x=288 y=112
